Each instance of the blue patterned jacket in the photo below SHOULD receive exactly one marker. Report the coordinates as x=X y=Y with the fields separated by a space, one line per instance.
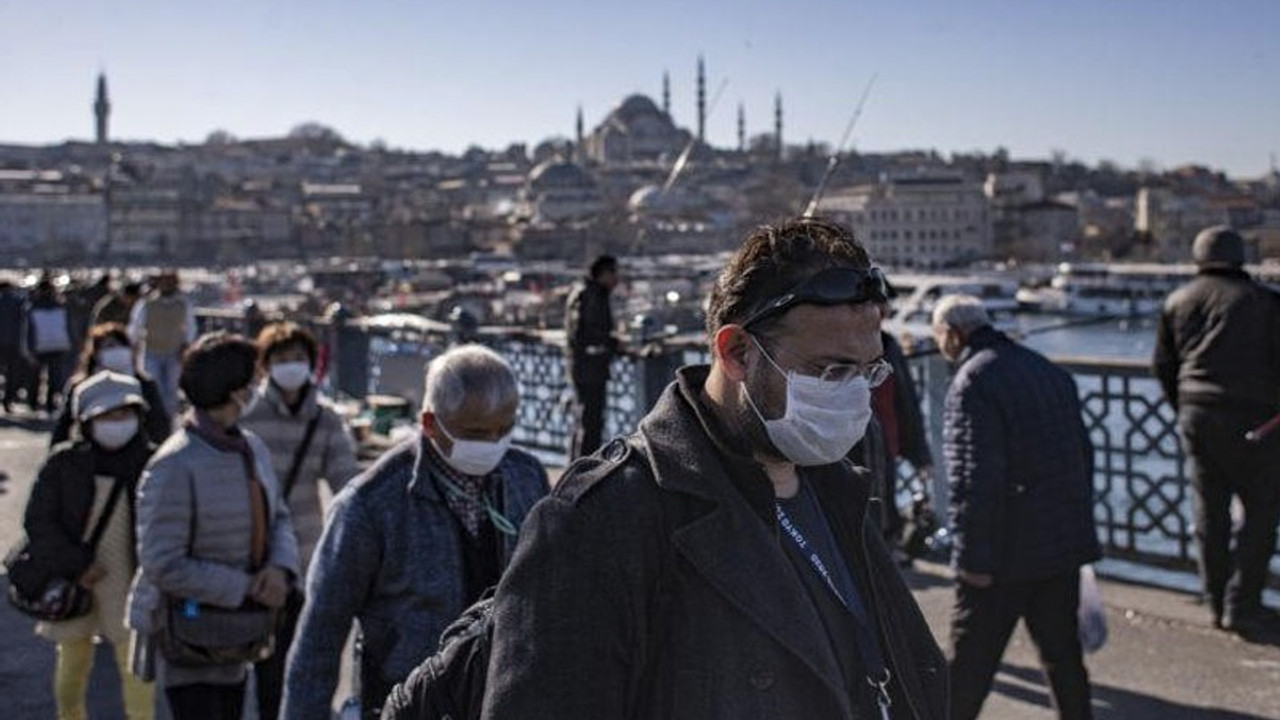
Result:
x=390 y=556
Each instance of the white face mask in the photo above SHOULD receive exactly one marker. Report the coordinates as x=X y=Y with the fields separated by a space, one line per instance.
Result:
x=116 y=359
x=290 y=375
x=475 y=457
x=114 y=434
x=823 y=419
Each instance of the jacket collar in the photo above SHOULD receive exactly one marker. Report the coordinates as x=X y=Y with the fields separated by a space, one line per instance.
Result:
x=735 y=545
x=979 y=340
x=274 y=397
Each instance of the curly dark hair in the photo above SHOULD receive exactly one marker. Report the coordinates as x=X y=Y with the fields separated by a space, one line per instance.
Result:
x=215 y=366
x=278 y=336
x=773 y=259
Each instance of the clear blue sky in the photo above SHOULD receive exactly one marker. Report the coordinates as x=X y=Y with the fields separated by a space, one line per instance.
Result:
x=1173 y=81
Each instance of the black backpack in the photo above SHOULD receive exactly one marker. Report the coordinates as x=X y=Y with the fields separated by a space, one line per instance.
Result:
x=450 y=684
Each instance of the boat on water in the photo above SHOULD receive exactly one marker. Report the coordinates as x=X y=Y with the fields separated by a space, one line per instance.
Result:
x=1118 y=289
x=922 y=293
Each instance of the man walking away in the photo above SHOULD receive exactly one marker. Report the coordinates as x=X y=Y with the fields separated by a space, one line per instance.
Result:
x=1218 y=360
x=1020 y=465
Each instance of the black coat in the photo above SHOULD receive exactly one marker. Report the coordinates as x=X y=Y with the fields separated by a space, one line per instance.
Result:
x=1218 y=343
x=1020 y=463
x=588 y=325
x=653 y=584
x=57 y=513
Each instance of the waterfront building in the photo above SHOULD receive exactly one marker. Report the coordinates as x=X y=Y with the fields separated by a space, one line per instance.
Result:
x=917 y=221
x=43 y=219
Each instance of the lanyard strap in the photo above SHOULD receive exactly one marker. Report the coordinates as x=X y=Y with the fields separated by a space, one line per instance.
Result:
x=868 y=646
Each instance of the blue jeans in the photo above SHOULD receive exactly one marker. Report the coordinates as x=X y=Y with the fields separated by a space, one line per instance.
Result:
x=164 y=368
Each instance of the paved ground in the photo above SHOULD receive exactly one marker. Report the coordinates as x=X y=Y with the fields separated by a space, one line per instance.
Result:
x=1163 y=661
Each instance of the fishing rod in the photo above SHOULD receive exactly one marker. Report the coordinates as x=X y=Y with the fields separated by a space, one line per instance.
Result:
x=834 y=160
x=1261 y=432
x=683 y=160
x=1066 y=325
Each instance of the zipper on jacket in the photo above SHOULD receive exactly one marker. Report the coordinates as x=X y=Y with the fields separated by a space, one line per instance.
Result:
x=875 y=603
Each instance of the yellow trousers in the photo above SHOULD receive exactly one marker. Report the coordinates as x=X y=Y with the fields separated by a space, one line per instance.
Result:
x=71 y=682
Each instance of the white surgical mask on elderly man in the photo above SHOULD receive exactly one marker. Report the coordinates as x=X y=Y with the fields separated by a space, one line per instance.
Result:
x=116 y=359
x=114 y=434
x=474 y=457
x=824 y=419
x=291 y=375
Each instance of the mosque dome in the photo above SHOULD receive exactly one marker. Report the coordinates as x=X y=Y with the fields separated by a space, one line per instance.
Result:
x=559 y=174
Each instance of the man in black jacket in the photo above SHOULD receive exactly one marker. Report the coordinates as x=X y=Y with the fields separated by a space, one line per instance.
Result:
x=1218 y=360
x=1020 y=466
x=591 y=347
x=719 y=564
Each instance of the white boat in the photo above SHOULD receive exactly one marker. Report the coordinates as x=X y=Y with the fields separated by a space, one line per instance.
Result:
x=998 y=294
x=1125 y=290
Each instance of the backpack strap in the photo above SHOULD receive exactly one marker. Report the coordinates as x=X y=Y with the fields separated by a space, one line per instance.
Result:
x=299 y=453
x=100 y=527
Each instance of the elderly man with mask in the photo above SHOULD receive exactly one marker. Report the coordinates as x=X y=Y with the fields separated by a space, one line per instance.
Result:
x=414 y=540
x=720 y=562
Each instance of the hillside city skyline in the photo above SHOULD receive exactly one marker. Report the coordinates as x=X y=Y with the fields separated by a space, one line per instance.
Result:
x=1171 y=82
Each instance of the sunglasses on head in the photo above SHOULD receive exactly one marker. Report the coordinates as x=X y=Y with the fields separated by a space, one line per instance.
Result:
x=833 y=286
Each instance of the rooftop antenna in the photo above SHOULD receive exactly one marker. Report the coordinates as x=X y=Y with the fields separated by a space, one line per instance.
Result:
x=683 y=160
x=834 y=160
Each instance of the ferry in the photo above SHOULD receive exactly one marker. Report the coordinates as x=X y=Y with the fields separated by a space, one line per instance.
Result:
x=922 y=293
x=1120 y=290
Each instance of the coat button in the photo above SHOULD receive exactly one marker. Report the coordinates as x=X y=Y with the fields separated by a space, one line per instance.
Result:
x=616 y=450
x=762 y=679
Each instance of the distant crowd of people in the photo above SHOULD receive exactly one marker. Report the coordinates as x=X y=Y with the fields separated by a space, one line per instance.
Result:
x=739 y=555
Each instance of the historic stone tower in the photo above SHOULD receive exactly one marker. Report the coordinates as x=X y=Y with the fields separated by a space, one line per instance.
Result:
x=101 y=109
x=702 y=101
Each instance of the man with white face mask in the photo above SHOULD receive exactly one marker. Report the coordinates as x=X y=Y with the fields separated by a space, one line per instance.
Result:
x=417 y=538
x=720 y=563
x=309 y=444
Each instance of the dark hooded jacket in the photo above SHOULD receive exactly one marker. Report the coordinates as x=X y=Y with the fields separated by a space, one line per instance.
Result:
x=653 y=583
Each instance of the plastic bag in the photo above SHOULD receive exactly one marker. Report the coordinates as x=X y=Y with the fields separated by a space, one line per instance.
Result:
x=1091 y=613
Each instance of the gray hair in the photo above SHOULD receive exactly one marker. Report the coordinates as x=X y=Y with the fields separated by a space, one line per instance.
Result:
x=961 y=312
x=468 y=371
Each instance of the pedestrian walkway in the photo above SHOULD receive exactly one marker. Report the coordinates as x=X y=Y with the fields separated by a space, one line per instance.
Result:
x=1163 y=661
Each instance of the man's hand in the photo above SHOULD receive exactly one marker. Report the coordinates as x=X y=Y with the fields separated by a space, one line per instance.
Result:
x=270 y=587
x=92 y=575
x=978 y=580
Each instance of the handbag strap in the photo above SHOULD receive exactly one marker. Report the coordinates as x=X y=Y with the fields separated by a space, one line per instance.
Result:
x=100 y=527
x=298 y=454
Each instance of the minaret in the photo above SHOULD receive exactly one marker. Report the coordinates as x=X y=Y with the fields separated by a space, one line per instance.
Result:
x=702 y=101
x=742 y=129
x=666 y=93
x=777 y=123
x=101 y=109
x=579 y=150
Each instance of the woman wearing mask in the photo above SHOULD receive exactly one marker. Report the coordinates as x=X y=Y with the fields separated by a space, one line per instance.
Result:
x=74 y=494
x=107 y=347
x=309 y=442
x=214 y=536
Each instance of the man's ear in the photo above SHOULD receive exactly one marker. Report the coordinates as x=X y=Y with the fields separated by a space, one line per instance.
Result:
x=429 y=424
x=730 y=345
